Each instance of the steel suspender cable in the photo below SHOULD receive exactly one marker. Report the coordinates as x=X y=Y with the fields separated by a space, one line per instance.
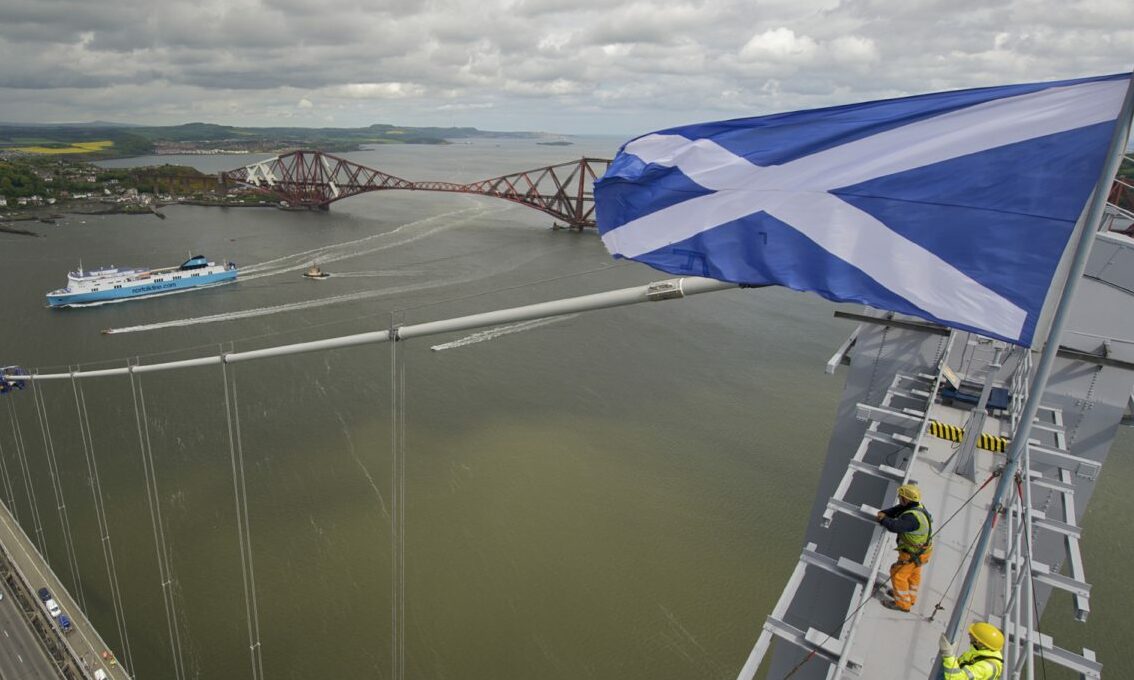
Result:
x=154 y=500
x=57 y=488
x=243 y=532
x=397 y=520
x=100 y=516
x=29 y=488
x=11 y=496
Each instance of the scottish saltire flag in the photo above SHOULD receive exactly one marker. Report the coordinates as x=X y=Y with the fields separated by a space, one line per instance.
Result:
x=955 y=207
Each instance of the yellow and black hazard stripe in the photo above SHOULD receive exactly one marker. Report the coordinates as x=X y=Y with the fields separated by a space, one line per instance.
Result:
x=954 y=433
x=993 y=443
x=946 y=431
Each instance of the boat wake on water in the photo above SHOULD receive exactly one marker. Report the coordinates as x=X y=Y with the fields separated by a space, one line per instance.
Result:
x=318 y=302
x=279 y=309
x=376 y=274
x=501 y=331
x=349 y=249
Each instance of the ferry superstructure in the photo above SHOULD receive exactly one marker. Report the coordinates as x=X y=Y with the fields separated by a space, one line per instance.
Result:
x=119 y=283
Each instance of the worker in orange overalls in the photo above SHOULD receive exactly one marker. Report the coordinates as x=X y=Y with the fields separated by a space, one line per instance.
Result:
x=914 y=527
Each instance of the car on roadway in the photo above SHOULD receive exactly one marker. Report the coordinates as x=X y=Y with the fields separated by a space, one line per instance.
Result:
x=64 y=623
x=52 y=607
x=44 y=594
x=100 y=674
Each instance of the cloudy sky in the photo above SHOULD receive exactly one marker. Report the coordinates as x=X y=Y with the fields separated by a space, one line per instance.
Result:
x=571 y=66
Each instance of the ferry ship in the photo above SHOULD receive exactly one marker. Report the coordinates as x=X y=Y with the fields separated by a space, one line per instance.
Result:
x=117 y=283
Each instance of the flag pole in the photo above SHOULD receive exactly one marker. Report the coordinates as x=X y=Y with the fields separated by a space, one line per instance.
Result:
x=1047 y=358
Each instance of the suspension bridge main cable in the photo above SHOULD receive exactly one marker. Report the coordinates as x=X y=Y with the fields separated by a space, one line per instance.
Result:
x=57 y=488
x=100 y=517
x=154 y=500
x=243 y=531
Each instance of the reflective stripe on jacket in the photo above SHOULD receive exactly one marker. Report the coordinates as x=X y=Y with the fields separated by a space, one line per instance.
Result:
x=975 y=664
x=917 y=540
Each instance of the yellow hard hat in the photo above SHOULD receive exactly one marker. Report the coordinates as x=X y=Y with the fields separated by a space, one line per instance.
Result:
x=909 y=492
x=987 y=635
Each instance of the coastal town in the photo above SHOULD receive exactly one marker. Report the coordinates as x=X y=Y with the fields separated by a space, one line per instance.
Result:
x=44 y=189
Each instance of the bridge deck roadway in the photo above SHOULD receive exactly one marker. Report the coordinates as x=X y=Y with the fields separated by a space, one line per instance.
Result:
x=78 y=654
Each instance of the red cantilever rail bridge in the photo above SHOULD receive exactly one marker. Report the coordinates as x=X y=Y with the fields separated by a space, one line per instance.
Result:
x=314 y=179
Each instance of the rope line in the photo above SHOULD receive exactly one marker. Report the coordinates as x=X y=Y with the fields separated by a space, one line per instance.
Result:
x=29 y=488
x=243 y=532
x=100 y=517
x=156 y=522
x=57 y=489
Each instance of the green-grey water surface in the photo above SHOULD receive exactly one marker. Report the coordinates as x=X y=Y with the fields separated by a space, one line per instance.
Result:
x=612 y=495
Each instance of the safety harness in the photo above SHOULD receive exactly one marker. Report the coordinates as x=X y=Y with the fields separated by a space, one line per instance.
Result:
x=917 y=550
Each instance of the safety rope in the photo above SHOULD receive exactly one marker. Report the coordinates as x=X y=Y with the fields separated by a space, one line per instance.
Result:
x=243 y=532
x=100 y=517
x=154 y=500
x=57 y=489
x=937 y=607
x=883 y=583
x=29 y=488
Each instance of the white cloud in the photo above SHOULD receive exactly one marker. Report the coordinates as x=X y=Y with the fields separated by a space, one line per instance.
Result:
x=592 y=65
x=852 y=48
x=779 y=44
x=378 y=90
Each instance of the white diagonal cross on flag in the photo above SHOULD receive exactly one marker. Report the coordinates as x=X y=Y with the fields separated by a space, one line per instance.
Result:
x=798 y=194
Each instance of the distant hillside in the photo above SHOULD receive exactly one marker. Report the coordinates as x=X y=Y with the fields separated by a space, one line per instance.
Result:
x=89 y=140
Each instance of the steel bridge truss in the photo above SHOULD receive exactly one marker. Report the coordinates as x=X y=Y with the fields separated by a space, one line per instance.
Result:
x=313 y=179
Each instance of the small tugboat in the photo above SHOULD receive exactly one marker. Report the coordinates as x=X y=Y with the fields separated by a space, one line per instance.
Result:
x=315 y=273
x=118 y=283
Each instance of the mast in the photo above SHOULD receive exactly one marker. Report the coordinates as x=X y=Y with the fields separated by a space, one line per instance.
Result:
x=1043 y=370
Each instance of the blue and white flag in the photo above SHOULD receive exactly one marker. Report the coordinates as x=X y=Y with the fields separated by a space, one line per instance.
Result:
x=955 y=207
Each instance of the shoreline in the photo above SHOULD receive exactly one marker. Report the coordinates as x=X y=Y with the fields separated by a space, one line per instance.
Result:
x=50 y=214
x=4 y=229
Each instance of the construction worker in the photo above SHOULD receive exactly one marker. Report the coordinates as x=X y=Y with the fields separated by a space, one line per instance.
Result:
x=983 y=662
x=914 y=527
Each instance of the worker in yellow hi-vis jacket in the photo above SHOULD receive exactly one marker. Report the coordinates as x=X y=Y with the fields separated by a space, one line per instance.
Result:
x=983 y=662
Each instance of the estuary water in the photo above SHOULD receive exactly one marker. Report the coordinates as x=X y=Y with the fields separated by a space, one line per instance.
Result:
x=616 y=494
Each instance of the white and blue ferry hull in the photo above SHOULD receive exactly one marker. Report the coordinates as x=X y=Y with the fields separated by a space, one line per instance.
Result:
x=139 y=289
